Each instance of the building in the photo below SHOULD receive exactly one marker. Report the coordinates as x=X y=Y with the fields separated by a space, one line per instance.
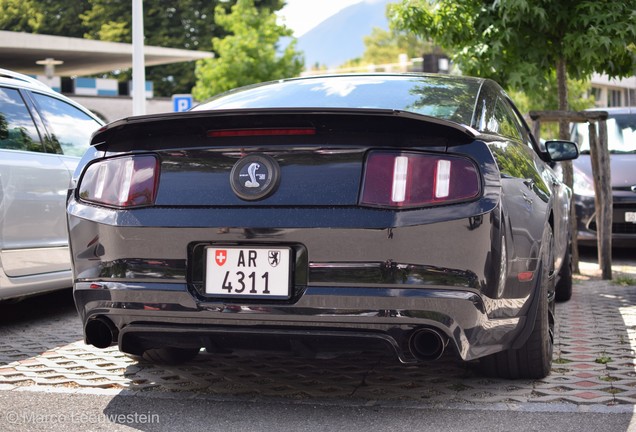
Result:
x=613 y=92
x=64 y=63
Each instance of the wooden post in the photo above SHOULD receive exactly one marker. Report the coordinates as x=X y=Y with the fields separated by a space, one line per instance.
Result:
x=606 y=210
x=599 y=154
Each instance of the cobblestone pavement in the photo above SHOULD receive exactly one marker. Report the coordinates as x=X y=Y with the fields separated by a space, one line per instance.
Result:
x=594 y=363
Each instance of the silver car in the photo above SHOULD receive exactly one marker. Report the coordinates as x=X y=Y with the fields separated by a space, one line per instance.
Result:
x=621 y=140
x=42 y=137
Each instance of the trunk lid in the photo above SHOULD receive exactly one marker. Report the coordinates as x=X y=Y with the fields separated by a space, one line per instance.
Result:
x=322 y=168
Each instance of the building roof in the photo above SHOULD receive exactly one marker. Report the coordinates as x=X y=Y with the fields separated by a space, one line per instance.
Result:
x=21 y=51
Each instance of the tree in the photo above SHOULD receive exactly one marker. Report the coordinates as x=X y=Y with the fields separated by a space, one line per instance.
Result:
x=249 y=54
x=579 y=99
x=383 y=46
x=53 y=17
x=521 y=43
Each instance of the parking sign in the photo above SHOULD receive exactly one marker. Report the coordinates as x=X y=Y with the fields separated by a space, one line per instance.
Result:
x=181 y=102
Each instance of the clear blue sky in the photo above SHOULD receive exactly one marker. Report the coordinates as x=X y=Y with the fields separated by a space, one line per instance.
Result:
x=303 y=15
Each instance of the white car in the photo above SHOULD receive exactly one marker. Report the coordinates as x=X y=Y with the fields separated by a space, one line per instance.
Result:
x=42 y=137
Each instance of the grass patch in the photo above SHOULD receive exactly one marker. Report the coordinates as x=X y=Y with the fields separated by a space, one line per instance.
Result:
x=603 y=359
x=624 y=281
x=608 y=378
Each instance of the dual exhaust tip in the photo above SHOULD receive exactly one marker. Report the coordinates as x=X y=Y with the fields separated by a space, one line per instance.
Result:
x=100 y=332
x=427 y=344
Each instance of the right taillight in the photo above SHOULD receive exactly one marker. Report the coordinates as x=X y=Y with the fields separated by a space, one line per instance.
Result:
x=121 y=182
x=406 y=180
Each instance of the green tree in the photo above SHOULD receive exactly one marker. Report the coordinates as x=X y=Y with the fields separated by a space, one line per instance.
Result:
x=383 y=46
x=52 y=17
x=579 y=98
x=521 y=43
x=249 y=54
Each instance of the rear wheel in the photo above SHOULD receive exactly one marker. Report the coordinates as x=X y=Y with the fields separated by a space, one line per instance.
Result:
x=170 y=355
x=534 y=359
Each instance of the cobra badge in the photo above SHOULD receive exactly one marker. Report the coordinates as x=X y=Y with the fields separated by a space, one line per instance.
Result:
x=255 y=177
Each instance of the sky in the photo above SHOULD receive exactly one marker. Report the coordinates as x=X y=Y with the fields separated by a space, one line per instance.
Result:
x=303 y=15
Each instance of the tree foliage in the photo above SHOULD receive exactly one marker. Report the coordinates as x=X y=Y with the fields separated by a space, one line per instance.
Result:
x=579 y=99
x=53 y=17
x=249 y=54
x=383 y=46
x=519 y=43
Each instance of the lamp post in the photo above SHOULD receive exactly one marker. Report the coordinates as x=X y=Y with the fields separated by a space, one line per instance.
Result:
x=139 y=71
x=49 y=66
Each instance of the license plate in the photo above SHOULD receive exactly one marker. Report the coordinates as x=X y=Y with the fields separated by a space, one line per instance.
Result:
x=630 y=217
x=257 y=272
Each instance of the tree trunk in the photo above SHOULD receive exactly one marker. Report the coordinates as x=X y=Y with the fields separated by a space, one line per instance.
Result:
x=568 y=175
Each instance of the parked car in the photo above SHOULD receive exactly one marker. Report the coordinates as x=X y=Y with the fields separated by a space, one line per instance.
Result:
x=411 y=211
x=621 y=141
x=42 y=136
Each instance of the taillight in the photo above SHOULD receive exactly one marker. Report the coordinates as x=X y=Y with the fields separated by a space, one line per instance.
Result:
x=122 y=182
x=406 y=180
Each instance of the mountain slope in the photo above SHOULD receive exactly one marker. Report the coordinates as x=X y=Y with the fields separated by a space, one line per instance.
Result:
x=340 y=37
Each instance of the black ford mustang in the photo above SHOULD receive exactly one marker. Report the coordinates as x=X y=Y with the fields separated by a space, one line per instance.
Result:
x=414 y=212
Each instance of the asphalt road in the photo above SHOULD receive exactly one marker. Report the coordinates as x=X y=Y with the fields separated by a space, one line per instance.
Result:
x=34 y=411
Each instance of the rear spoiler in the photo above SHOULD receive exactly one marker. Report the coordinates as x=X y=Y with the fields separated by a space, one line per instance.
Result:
x=323 y=119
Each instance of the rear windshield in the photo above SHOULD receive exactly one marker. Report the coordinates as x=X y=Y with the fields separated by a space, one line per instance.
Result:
x=443 y=97
x=621 y=134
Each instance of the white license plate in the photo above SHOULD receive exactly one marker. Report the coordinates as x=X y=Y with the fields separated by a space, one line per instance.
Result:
x=257 y=272
x=630 y=217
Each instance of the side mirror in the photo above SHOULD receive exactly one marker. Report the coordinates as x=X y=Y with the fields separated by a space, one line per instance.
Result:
x=560 y=151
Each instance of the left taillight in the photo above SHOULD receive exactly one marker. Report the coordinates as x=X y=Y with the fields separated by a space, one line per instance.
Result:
x=121 y=182
x=408 y=180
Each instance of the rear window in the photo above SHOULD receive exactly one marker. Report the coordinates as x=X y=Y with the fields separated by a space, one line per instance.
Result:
x=442 y=97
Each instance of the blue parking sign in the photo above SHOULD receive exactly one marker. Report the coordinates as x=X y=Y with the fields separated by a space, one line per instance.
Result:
x=181 y=102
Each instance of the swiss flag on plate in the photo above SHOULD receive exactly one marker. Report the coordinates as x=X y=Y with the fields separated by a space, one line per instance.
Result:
x=220 y=257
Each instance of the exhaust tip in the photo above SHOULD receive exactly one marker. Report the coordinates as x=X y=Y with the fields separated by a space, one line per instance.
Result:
x=427 y=344
x=100 y=332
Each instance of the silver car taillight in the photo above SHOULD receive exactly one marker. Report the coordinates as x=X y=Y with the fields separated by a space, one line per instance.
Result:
x=122 y=182
x=407 y=180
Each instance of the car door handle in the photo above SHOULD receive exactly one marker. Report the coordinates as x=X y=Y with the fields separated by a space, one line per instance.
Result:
x=526 y=198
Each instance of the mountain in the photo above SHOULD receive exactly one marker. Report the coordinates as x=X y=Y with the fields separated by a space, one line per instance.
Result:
x=341 y=37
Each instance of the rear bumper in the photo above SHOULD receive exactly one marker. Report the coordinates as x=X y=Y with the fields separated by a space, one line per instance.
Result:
x=167 y=314
x=623 y=232
x=437 y=269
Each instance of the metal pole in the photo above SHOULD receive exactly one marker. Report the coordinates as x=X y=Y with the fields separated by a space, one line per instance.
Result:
x=139 y=71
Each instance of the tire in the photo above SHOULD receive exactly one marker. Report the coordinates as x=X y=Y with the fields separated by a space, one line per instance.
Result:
x=563 y=288
x=534 y=359
x=170 y=355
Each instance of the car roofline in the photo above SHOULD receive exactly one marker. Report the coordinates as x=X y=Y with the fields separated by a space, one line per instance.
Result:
x=21 y=79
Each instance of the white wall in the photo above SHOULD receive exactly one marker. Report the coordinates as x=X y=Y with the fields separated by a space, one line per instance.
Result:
x=113 y=108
